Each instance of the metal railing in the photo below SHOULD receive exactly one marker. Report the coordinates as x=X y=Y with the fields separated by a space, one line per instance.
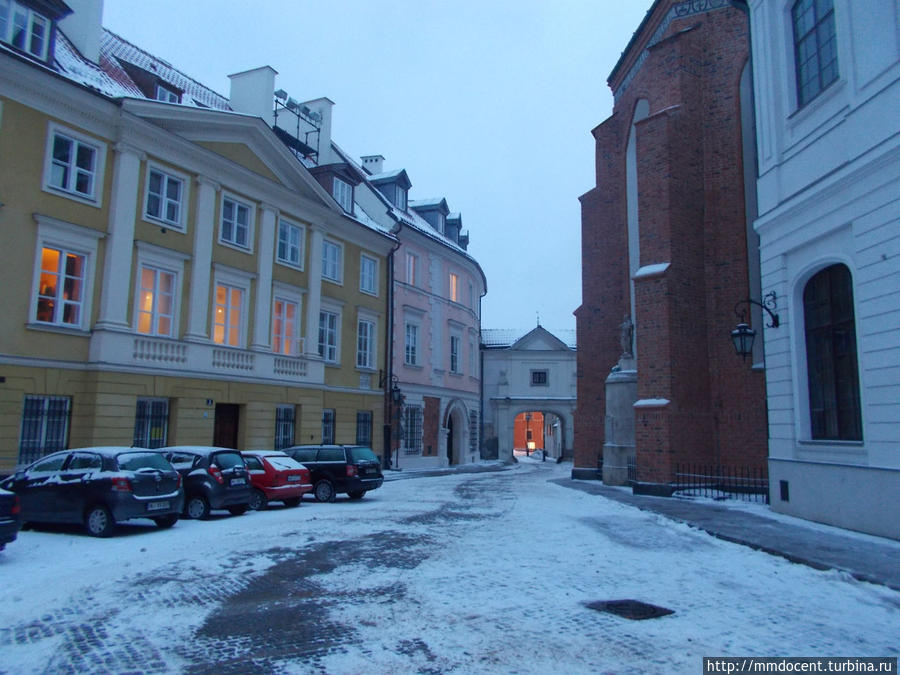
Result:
x=722 y=482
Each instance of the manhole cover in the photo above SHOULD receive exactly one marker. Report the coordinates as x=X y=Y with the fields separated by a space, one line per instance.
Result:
x=630 y=609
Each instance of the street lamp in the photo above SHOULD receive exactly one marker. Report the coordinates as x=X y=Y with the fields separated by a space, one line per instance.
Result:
x=528 y=434
x=742 y=336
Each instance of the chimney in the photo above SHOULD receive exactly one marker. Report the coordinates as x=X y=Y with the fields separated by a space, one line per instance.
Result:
x=373 y=164
x=84 y=27
x=321 y=110
x=253 y=93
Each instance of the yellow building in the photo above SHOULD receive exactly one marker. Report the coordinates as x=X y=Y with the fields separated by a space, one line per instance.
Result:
x=171 y=271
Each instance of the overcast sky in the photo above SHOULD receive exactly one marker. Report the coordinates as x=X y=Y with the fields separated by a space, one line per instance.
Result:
x=489 y=103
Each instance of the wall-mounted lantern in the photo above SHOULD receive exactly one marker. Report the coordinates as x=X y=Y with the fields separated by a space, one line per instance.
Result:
x=743 y=336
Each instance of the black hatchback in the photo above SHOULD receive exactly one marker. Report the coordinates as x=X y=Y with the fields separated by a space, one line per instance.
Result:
x=214 y=478
x=98 y=487
x=339 y=469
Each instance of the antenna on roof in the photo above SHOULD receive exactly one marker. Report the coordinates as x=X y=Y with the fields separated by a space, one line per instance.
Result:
x=538 y=318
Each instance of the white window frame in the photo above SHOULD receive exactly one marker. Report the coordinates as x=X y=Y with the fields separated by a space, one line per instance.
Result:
x=94 y=198
x=342 y=192
x=333 y=269
x=366 y=346
x=301 y=245
x=239 y=280
x=166 y=95
x=412 y=268
x=165 y=260
x=31 y=18
x=330 y=351
x=455 y=354
x=179 y=225
x=368 y=278
x=453 y=289
x=416 y=360
x=60 y=235
x=251 y=220
x=290 y=294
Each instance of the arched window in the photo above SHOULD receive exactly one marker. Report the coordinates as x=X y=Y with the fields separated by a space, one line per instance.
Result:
x=831 y=361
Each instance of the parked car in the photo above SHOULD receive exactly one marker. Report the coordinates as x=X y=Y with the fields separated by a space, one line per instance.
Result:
x=275 y=477
x=339 y=469
x=98 y=487
x=214 y=478
x=9 y=517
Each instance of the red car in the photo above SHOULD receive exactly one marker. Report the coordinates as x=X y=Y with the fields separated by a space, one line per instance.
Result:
x=275 y=477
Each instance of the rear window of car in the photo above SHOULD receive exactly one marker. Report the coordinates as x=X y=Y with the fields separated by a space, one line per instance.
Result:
x=134 y=461
x=362 y=454
x=227 y=460
x=254 y=463
x=283 y=462
x=305 y=455
x=331 y=455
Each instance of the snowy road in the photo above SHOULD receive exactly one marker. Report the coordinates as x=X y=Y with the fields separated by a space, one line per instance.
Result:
x=468 y=573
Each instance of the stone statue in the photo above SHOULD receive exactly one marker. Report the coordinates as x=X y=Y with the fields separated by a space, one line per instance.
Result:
x=626 y=340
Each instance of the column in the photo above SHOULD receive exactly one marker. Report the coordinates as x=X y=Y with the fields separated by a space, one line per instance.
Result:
x=201 y=265
x=262 y=332
x=120 y=240
x=314 y=304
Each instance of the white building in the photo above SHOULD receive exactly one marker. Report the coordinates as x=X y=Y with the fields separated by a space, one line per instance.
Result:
x=827 y=85
x=524 y=375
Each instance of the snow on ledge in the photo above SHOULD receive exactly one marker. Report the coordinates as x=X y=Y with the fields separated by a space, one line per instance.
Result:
x=651 y=270
x=651 y=403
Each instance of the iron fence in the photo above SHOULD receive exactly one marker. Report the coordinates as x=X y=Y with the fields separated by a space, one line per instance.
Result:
x=722 y=482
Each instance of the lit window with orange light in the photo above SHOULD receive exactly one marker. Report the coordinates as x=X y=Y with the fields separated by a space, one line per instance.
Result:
x=156 y=302
x=61 y=287
x=227 y=317
x=284 y=327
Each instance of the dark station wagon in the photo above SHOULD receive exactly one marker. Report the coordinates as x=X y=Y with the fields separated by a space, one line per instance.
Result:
x=98 y=487
x=339 y=469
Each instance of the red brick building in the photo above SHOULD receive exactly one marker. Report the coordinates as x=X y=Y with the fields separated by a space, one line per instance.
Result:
x=666 y=241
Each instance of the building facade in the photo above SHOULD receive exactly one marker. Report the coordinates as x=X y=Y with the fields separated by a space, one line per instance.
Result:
x=529 y=391
x=173 y=271
x=668 y=254
x=827 y=84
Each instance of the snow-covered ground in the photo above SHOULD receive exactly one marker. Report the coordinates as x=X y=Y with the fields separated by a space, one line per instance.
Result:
x=465 y=573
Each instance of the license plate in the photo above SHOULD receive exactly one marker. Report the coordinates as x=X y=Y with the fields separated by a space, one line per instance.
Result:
x=293 y=479
x=157 y=506
x=238 y=481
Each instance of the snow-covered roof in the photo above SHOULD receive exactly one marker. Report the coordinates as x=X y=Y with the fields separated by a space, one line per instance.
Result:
x=431 y=202
x=496 y=338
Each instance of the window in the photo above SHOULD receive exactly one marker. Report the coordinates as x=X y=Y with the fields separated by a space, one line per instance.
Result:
x=235 y=228
x=328 y=425
x=343 y=194
x=156 y=302
x=167 y=95
x=61 y=291
x=472 y=352
x=471 y=295
x=368 y=274
x=454 y=287
x=539 y=378
x=284 y=426
x=45 y=426
x=401 y=198
x=365 y=344
x=411 y=264
x=412 y=344
x=332 y=261
x=228 y=314
x=74 y=164
x=412 y=429
x=285 y=316
x=473 y=431
x=364 y=427
x=151 y=423
x=454 y=353
x=832 y=371
x=165 y=197
x=290 y=244
x=815 y=47
x=328 y=336
x=24 y=29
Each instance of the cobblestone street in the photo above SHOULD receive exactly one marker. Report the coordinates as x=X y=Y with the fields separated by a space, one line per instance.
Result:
x=475 y=572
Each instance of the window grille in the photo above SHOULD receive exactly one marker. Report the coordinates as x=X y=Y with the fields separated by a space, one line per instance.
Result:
x=45 y=426
x=284 y=426
x=151 y=423
x=412 y=430
x=364 y=427
x=473 y=431
x=328 y=426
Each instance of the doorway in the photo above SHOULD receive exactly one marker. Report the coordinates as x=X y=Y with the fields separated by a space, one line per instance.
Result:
x=450 y=440
x=225 y=432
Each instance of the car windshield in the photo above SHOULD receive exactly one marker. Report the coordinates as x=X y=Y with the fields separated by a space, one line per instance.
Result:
x=358 y=454
x=227 y=460
x=134 y=461
x=283 y=462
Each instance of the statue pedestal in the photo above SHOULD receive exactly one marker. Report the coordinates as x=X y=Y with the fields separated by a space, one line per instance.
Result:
x=619 y=448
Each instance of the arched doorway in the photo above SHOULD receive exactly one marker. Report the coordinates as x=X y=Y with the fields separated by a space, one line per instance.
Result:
x=455 y=433
x=542 y=432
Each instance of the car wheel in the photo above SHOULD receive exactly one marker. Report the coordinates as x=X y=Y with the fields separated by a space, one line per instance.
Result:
x=324 y=491
x=197 y=507
x=165 y=522
x=99 y=521
x=238 y=509
x=356 y=494
x=292 y=502
x=258 y=501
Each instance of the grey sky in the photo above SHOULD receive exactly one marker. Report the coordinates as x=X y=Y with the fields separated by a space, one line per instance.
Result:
x=487 y=103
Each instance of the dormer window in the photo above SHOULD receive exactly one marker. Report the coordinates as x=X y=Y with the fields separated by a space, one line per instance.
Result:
x=343 y=194
x=401 y=199
x=24 y=29
x=163 y=93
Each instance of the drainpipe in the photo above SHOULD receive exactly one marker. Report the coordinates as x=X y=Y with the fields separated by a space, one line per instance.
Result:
x=388 y=425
